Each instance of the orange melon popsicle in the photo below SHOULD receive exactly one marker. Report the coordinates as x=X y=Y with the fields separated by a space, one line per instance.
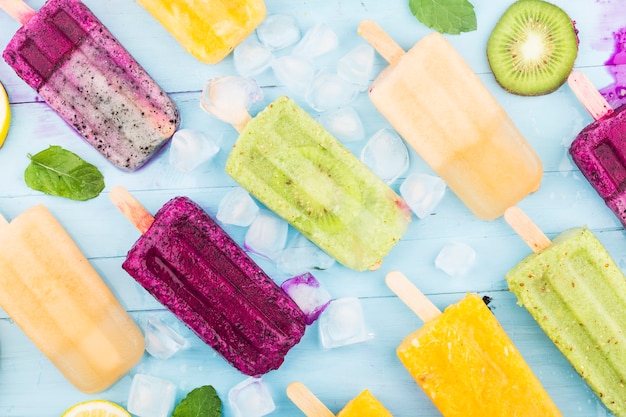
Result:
x=56 y=297
x=364 y=404
x=464 y=360
x=438 y=105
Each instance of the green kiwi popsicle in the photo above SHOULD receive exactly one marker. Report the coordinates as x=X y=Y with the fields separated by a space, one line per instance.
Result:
x=290 y=163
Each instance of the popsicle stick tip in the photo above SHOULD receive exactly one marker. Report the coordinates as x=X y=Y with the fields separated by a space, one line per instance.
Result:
x=242 y=121
x=588 y=95
x=526 y=229
x=18 y=10
x=131 y=208
x=412 y=296
x=306 y=401
x=380 y=40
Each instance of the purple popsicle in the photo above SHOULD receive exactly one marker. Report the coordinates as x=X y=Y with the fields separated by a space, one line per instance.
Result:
x=189 y=264
x=78 y=67
x=599 y=150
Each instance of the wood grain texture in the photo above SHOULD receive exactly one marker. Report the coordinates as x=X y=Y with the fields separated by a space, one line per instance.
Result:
x=30 y=386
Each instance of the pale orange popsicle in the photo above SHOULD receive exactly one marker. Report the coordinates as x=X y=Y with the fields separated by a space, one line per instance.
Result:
x=436 y=102
x=56 y=297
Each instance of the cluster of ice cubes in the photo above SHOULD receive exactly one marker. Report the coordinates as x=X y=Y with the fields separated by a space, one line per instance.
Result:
x=280 y=46
x=151 y=396
x=267 y=235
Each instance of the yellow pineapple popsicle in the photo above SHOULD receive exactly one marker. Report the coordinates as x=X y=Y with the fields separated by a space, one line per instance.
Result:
x=363 y=405
x=55 y=296
x=208 y=29
x=440 y=107
x=465 y=362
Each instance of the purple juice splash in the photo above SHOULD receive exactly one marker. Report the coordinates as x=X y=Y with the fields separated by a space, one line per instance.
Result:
x=615 y=93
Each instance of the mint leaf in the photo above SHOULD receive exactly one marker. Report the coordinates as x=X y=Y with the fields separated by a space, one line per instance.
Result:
x=59 y=172
x=200 y=402
x=445 y=16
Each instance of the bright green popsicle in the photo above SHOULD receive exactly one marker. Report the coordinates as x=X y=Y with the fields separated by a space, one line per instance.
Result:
x=290 y=163
x=577 y=294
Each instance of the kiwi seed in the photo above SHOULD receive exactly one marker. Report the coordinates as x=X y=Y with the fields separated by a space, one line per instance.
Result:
x=532 y=48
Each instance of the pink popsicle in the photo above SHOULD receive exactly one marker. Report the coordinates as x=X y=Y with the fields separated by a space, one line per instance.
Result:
x=78 y=67
x=599 y=150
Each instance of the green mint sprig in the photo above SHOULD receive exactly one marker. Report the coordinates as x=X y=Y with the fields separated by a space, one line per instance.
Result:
x=200 y=402
x=59 y=172
x=445 y=16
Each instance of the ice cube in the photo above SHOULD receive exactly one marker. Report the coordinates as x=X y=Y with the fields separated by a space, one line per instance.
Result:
x=251 y=58
x=191 y=148
x=295 y=73
x=278 y=31
x=386 y=155
x=251 y=398
x=150 y=396
x=318 y=40
x=357 y=66
x=162 y=341
x=308 y=294
x=237 y=208
x=344 y=123
x=267 y=235
x=301 y=255
x=455 y=259
x=342 y=323
x=422 y=192
x=329 y=91
x=228 y=98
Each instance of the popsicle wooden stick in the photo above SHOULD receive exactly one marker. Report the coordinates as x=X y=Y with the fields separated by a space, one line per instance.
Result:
x=526 y=229
x=588 y=95
x=18 y=10
x=381 y=41
x=306 y=401
x=412 y=296
x=131 y=208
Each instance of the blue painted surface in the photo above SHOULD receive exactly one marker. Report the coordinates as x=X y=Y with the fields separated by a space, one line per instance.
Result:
x=31 y=386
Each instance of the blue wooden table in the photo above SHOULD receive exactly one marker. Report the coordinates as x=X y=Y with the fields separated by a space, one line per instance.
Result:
x=31 y=386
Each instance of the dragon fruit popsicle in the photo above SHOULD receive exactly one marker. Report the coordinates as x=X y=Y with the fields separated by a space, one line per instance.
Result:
x=599 y=150
x=78 y=67
x=190 y=265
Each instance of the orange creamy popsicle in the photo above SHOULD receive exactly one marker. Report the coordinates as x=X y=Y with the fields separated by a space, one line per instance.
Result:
x=55 y=296
x=434 y=100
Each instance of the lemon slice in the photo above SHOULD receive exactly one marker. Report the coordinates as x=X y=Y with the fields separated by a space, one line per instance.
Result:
x=5 y=114
x=96 y=408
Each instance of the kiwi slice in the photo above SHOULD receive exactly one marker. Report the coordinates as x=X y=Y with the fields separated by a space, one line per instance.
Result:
x=532 y=48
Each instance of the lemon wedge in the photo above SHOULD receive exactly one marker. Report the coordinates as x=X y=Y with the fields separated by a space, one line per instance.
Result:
x=96 y=408
x=5 y=114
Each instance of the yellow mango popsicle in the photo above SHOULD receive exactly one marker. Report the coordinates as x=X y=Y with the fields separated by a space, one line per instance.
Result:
x=363 y=405
x=209 y=30
x=54 y=295
x=465 y=362
x=438 y=105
